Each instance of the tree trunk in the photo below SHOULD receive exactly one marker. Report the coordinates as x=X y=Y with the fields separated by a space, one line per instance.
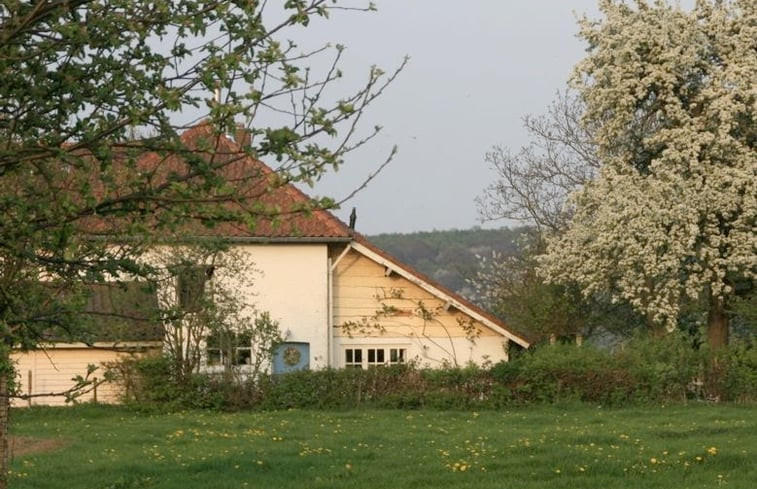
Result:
x=656 y=329
x=4 y=419
x=717 y=324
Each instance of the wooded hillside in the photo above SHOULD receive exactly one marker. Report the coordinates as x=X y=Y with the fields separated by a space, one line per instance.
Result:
x=449 y=257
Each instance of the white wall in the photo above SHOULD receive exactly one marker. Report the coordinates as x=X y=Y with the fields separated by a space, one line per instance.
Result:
x=292 y=285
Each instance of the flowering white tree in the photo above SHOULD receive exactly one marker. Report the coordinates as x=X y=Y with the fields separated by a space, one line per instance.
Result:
x=670 y=218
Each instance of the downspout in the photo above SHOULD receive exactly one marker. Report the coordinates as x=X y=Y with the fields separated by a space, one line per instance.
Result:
x=330 y=311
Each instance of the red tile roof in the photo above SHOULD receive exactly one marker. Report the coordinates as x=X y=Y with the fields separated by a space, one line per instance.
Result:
x=280 y=210
x=272 y=208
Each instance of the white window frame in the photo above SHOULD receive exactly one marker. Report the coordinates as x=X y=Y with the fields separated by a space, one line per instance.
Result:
x=366 y=356
x=217 y=355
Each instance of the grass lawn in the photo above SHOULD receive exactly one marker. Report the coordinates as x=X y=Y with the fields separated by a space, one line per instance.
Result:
x=536 y=447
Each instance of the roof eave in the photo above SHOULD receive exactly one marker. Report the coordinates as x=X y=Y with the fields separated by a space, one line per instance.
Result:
x=288 y=239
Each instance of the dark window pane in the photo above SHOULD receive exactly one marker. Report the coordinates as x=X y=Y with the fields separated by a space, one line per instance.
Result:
x=123 y=311
x=380 y=356
x=214 y=356
x=243 y=356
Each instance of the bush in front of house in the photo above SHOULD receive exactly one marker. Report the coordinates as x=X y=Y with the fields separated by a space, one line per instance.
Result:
x=643 y=371
x=563 y=374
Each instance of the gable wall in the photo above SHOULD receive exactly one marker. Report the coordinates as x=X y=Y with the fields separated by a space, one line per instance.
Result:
x=362 y=289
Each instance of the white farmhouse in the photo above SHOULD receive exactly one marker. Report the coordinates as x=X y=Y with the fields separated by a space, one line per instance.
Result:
x=339 y=300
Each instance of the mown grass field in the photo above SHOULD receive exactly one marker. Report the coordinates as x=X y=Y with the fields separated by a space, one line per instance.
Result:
x=693 y=446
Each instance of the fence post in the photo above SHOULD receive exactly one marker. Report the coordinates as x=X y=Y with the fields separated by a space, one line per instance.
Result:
x=29 y=380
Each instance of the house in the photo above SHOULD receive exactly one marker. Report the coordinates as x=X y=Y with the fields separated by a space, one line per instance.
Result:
x=339 y=300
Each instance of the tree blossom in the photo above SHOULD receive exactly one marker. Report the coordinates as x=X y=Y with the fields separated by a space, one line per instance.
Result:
x=671 y=216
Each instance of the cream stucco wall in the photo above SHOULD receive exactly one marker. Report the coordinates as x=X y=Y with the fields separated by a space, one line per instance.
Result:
x=385 y=309
x=292 y=285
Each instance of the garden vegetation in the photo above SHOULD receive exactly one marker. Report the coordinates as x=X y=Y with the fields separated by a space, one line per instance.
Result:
x=643 y=371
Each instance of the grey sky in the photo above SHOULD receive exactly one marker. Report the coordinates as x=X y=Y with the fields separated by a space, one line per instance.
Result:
x=476 y=69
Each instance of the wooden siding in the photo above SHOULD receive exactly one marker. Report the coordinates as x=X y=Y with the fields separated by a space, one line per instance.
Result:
x=370 y=301
x=53 y=369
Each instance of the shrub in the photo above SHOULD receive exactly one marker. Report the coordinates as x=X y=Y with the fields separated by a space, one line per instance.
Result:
x=562 y=373
x=731 y=374
x=663 y=368
x=645 y=370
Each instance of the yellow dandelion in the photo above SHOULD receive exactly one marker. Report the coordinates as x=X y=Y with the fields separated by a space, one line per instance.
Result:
x=712 y=451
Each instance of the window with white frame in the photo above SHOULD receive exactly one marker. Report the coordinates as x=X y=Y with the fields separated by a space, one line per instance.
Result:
x=228 y=349
x=372 y=356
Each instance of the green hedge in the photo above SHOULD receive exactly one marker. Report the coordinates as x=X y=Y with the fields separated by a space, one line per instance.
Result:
x=644 y=371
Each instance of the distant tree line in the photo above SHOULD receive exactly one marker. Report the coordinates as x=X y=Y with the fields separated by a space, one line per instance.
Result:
x=452 y=257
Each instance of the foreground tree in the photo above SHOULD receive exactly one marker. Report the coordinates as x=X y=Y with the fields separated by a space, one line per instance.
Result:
x=206 y=303
x=670 y=218
x=88 y=88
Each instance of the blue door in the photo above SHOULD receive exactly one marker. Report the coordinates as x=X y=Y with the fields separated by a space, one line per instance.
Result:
x=291 y=356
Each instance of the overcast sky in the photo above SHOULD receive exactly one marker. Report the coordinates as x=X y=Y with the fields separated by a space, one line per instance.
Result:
x=476 y=68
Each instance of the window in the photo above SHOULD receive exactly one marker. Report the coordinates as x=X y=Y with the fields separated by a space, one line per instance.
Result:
x=373 y=357
x=353 y=358
x=229 y=349
x=190 y=287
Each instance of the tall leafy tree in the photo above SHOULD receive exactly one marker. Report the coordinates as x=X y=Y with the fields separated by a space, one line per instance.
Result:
x=87 y=88
x=670 y=219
